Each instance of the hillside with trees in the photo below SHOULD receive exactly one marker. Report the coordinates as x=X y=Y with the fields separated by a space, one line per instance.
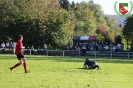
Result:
x=120 y=19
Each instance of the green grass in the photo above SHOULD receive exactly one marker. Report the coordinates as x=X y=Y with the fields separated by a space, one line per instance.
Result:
x=66 y=72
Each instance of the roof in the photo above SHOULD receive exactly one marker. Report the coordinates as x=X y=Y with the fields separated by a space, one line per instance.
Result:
x=84 y=37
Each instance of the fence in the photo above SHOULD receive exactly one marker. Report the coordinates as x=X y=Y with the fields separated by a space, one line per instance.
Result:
x=63 y=53
x=111 y=54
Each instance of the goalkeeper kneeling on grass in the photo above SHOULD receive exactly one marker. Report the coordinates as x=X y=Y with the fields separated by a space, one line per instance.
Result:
x=91 y=64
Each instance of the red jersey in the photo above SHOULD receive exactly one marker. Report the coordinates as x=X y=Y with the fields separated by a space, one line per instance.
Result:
x=19 y=44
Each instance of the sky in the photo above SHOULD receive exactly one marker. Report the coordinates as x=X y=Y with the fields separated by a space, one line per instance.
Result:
x=107 y=5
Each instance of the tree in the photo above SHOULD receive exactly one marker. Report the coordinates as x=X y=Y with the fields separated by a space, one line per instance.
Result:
x=128 y=30
x=53 y=22
x=118 y=39
x=101 y=30
x=98 y=13
x=65 y=4
x=112 y=30
x=102 y=34
x=72 y=5
x=85 y=23
x=36 y=20
x=58 y=31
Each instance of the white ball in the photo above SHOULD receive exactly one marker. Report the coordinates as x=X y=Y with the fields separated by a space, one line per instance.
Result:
x=84 y=66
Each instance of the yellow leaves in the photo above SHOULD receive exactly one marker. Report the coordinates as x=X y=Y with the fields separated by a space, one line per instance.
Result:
x=112 y=36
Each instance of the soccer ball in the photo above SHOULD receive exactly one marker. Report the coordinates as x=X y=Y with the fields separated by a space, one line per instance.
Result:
x=85 y=67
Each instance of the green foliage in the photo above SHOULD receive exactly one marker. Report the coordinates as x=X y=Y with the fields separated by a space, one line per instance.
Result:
x=98 y=13
x=42 y=21
x=100 y=38
x=85 y=21
x=128 y=29
x=39 y=22
x=118 y=39
x=101 y=33
x=65 y=4
x=112 y=30
x=58 y=31
x=89 y=27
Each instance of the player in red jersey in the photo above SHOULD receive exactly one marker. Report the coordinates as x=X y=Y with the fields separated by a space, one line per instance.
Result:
x=20 y=56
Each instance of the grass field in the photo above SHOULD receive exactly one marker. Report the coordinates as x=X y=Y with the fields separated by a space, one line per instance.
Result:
x=66 y=72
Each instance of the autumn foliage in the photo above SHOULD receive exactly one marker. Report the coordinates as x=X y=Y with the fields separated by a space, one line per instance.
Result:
x=101 y=30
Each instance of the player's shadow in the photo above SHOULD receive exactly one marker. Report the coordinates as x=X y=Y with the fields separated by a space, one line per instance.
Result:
x=84 y=69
